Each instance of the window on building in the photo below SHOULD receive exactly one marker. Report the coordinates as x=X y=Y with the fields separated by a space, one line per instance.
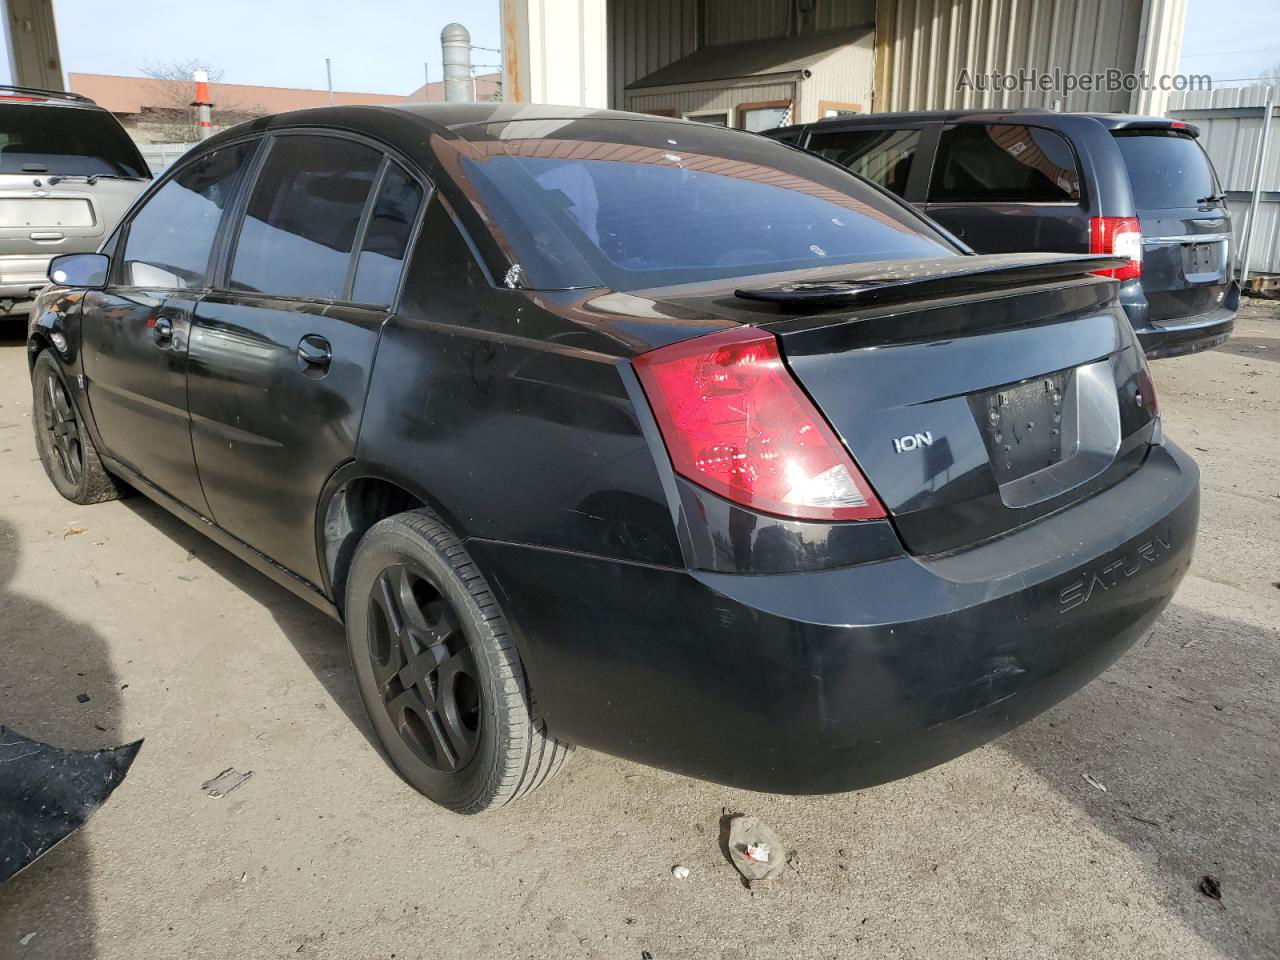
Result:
x=882 y=156
x=764 y=117
x=387 y=239
x=302 y=218
x=720 y=119
x=170 y=239
x=1004 y=162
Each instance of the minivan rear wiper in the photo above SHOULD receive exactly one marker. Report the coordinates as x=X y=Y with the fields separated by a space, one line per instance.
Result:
x=903 y=280
x=1212 y=198
x=90 y=179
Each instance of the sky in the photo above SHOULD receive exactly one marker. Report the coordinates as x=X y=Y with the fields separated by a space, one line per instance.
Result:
x=377 y=46
x=1231 y=39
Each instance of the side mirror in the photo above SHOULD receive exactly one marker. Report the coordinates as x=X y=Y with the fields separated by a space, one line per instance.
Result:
x=84 y=270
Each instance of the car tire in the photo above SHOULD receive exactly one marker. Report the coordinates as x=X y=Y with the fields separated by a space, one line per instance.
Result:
x=438 y=670
x=66 y=450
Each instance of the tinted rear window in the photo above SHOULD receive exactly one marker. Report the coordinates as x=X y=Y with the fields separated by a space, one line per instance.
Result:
x=66 y=140
x=647 y=204
x=1004 y=162
x=1167 y=170
x=882 y=156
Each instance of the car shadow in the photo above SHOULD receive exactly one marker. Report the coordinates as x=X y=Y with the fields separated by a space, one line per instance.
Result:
x=49 y=662
x=1255 y=348
x=1181 y=733
x=319 y=641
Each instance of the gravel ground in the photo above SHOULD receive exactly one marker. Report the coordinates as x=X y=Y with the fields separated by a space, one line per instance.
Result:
x=324 y=852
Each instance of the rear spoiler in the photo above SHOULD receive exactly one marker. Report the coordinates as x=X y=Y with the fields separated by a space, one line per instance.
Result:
x=862 y=284
x=1155 y=123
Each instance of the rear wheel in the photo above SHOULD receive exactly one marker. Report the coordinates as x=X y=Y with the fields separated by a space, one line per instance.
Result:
x=66 y=450
x=438 y=671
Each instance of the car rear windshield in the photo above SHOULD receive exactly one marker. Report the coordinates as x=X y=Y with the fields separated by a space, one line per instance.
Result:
x=631 y=204
x=1167 y=169
x=69 y=141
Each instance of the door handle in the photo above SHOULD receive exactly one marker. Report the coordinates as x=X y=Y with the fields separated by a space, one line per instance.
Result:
x=163 y=329
x=314 y=355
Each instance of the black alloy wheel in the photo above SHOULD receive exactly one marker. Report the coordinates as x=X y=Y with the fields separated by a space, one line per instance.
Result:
x=424 y=668
x=63 y=428
x=62 y=439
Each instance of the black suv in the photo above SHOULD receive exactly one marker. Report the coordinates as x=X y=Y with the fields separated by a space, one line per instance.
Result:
x=641 y=434
x=1073 y=182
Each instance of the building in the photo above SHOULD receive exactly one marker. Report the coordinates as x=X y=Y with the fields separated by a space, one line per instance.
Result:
x=159 y=111
x=754 y=63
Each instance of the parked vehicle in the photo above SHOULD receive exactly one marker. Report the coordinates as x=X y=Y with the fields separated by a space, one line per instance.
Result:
x=640 y=434
x=68 y=171
x=1025 y=180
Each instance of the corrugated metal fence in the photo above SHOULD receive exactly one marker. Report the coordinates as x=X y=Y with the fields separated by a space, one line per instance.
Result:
x=160 y=156
x=1230 y=122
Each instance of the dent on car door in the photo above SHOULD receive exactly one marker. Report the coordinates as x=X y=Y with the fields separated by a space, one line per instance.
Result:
x=281 y=352
x=1009 y=188
x=135 y=332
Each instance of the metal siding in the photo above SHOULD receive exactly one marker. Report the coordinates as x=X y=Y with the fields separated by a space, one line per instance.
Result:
x=847 y=76
x=1230 y=122
x=930 y=41
x=709 y=100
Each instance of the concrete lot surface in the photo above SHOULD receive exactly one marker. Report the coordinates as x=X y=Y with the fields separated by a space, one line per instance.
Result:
x=324 y=852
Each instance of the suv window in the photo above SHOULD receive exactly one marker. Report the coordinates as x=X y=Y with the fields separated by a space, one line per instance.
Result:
x=882 y=156
x=387 y=239
x=68 y=141
x=170 y=238
x=303 y=215
x=1167 y=170
x=987 y=162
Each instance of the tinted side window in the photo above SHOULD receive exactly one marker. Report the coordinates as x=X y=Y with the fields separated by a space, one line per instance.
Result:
x=382 y=254
x=303 y=215
x=882 y=156
x=170 y=239
x=1004 y=162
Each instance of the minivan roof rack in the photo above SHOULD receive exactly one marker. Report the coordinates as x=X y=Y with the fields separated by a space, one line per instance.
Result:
x=47 y=94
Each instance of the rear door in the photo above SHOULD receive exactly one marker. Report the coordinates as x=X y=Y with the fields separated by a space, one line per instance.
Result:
x=135 y=332
x=281 y=351
x=888 y=155
x=1186 y=230
x=1009 y=188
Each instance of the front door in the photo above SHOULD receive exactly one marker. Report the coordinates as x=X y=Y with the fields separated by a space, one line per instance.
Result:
x=135 y=332
x=280 y=355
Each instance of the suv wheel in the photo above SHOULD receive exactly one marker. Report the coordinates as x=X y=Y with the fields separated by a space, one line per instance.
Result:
x=66 y=451
x=438 y=671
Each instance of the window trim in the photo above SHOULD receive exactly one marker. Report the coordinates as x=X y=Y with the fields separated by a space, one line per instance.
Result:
x=825 y=105
x=221 y=283
x=119 y=241
x=1082 y=202
x=743 y=108
x=697 y=116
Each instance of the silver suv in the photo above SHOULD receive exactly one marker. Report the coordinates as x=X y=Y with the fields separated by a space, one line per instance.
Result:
x=68 y=171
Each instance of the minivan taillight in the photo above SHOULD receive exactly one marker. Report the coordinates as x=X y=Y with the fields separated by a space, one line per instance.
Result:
x=1121 y=236
x=737 y=423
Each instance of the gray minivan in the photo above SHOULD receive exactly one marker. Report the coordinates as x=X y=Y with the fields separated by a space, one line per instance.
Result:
x=68 y=172
x=1036 y=180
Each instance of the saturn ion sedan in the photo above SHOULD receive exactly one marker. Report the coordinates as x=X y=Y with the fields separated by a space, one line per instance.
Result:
x=663 y=439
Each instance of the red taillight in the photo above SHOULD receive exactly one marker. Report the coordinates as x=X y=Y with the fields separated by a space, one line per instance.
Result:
x=736 y=422
x=1121 y=236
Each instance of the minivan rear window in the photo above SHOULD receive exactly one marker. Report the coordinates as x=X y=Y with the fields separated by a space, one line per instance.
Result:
x=68 y=141
x=1167 y=169
x=650 y=204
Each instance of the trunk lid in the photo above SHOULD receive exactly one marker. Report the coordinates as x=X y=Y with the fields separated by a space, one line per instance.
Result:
x=975 y=393
x=1186 y=229
x=67 y=216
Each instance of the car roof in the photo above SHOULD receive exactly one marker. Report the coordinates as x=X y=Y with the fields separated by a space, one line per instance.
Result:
x=1048 y=118
x=34 y=96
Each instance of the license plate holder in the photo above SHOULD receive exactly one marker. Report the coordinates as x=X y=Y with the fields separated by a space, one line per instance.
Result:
x=1022 y=425
x=1200 y=258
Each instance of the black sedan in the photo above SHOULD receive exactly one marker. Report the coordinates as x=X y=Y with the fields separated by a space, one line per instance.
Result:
x=601 y=429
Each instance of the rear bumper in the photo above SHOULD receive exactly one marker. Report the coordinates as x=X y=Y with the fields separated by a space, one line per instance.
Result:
x=840 y=679
x=1171 y=338
x=20 y=277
